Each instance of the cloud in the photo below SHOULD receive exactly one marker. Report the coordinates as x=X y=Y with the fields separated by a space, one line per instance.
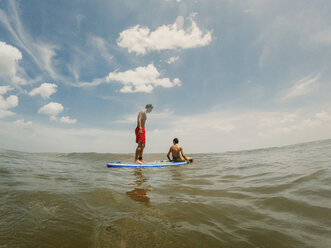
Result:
x=301 y=123
x=45 y=90
x=45 y=138
x=5 y=89
x=9 y=57
x=237 y=130
x=94 y=56
x=141 y=79
x=167 y=37
x=320 y=118
x=271 y=119
x=95 y=82
x=68 y=120
x=101 y=48
x=7 y=103
x=323 y=116
x=172 y=60
x=302 y=87
x=217 y=122
x=41 y=53
x=45 y=54
x=218 y=131
x=23 y=123
x=52 y=110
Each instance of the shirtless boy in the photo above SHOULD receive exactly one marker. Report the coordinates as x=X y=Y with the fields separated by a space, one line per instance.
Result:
x=140 y=133
x=177 y=153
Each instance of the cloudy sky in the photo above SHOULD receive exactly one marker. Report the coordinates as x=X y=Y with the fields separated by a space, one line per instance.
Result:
x=222 y=74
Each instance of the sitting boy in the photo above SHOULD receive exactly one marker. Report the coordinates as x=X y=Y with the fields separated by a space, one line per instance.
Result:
x=176 y=152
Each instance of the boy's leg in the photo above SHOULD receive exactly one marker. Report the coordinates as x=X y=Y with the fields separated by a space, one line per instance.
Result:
x=139 y=152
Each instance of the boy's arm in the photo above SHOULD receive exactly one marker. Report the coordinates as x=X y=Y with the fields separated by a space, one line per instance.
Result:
x=181 y=150
x=139 y=122
x=168 y=155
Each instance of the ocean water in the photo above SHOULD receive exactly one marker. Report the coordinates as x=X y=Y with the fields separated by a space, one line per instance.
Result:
x=276 y=197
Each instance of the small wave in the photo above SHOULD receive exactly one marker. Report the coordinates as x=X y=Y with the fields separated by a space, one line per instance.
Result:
x=298 y=208
x=312 y=176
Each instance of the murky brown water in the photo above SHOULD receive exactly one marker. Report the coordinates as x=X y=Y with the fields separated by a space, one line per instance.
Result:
x=277 y=197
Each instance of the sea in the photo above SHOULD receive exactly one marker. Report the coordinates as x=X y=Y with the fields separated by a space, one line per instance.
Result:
x=265 y=198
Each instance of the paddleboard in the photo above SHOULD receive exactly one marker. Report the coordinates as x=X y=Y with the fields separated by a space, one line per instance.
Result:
x=153 y=164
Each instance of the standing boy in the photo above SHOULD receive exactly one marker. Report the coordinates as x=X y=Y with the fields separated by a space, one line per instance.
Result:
x=140 y=133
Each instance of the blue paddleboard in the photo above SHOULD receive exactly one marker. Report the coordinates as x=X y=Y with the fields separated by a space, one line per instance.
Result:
x=153 y=164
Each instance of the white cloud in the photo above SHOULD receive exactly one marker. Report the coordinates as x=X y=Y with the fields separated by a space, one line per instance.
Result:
x=45 y=90
x=41 y=53
x=52 y=110
x=96 y=51
x=215 y=121
x=323 y=116
x=172 y=60
x=220 y=131
x=302 y=87
x=7 y=103
x=317 y=120
x=45 y=54
x=95 y=82
x=9 y=57
x=5 y=89
x=215 y=131
x=43 y=138
x=270 y=119
x=68 y=120
x=167 y=37
x=141 y=79
x=101 y=47
x=23 y=123
x=295 y=124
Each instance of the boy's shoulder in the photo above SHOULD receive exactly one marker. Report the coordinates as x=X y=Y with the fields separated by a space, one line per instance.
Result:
x=177 y=147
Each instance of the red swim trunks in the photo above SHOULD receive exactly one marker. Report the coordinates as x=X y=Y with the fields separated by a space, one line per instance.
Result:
x=140 y=137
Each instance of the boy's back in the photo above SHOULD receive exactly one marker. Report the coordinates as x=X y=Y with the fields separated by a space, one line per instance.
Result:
x=175 y=151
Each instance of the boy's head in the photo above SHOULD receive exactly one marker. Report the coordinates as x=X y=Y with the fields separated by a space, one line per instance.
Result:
x=175 y=141
x=149 y=108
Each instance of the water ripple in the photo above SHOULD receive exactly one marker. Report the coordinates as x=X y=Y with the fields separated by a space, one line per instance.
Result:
x=275 y=197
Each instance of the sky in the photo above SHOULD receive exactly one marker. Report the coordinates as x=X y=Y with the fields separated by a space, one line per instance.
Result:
x=222 y=75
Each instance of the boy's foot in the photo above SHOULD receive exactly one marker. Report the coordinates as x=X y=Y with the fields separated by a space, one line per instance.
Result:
x=138 y=162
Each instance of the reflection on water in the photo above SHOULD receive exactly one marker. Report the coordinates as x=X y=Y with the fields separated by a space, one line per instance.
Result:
x=139 y=193
x=177 y=175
